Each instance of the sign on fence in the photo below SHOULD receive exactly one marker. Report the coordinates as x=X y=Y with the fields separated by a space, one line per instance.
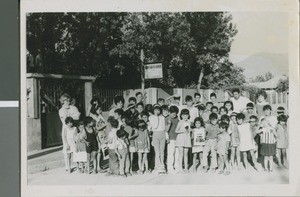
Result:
x=153 y=71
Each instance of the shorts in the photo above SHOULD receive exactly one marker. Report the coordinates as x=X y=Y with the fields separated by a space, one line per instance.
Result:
x=93 y=147
x=146 y=150
x=197 y=149
x=132 y=149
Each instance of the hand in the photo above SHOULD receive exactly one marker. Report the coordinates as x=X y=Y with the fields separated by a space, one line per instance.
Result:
x=87 y=143
x=168 y=140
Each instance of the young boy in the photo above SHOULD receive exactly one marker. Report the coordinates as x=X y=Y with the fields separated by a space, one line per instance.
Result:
x=214 y=109
x=122 y=153
x=222 y=148
x=249 y=111
x=172 y=159
x=212 y=131
x=113 y=159
x=197 y=97
x=246 y=141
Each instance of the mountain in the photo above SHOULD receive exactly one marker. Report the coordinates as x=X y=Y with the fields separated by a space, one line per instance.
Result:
x=260 y=63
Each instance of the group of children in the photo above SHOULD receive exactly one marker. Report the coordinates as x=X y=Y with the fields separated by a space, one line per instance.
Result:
x=175 y=138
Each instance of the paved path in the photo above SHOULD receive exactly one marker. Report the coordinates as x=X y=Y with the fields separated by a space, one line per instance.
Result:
x=60 y=177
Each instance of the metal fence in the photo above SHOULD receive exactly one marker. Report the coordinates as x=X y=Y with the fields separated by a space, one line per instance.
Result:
x=107 y=96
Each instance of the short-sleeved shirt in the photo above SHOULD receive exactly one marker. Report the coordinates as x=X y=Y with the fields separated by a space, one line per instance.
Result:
x=174 y=123
x=199 y=136
x=212 y=131
x=223 y=139
x=240 y=104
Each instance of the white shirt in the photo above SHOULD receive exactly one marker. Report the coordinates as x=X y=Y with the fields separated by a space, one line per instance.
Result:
x=112 y=138
x=240 y=104
x=157 y=123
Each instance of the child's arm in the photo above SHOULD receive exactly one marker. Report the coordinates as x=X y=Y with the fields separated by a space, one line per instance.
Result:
x=64 y=138
x=118 y=154
x=148 y=142
x=133 y=136
x=274 y=132
x=177 y=130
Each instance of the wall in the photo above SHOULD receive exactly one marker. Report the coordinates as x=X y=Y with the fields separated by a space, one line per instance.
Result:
x=34 y=137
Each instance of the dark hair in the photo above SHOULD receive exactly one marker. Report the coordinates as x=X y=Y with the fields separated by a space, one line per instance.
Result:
x=213 y=94
x=236 y=90
x=214 y=107
x=207 y=103
x=80 y=123
x=87 y=120
x=188 y=98
x=213 y=116
x=240 y=116
x=249 y=105
x=148 y=108
x=174 y=109
x=165 y=107
x=225 y=118
x=140 y=103
x=266 y=107
x=95 y=99
x=226 y=110
x=110 y=118
x=132 y=99
x=119 y=111
x=223 y=125
x=201 y=107
x=233 y=114
x=138 y=93
x=127 y=120
x=94 y=109
x=160 y=99
x=121 y=133
x=253 y=116
x=114 y=123
x=141 y=124
x=144 y=113
x=263 y=93
x=282 y=118
x=185 y=112
x=280 y=109
x=156 y=106
x=118 y=99
x=230 y=102
x=69 y=120
x=197 y=94
x=200 y=120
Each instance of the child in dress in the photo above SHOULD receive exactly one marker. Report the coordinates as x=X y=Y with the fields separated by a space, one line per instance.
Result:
x=229 y=106
x=183 y=140
x=69 y=135
x=253 y=127
x=246 y=141
x=261 y=102
x=91 y=143
x=102 y=140
x=282 y=140
x=118 y=116
x=80 y=147
x=267 y=110
x=198 y=136
x=222 y=148
x=212 y=131
x=122 y=153
x=111 y=144
x=235 y=141
x=143 y=146
x=249 y=112
x=268 y=143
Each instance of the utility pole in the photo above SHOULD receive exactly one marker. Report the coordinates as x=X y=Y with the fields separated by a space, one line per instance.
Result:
x=142 y=71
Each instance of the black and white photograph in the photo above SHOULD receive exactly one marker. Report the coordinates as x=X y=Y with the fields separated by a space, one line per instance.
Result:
x=154 y=98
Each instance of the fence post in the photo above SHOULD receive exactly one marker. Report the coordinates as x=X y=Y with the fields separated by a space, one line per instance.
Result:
x=88 y=95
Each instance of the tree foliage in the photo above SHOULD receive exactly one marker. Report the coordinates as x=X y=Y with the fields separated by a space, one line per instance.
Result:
x=262 y=78
x=108 y=45
x=283 y=85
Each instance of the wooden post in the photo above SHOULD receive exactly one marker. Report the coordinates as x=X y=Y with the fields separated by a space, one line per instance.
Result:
x=88 y=95
x=142 y=71
x=33 y=104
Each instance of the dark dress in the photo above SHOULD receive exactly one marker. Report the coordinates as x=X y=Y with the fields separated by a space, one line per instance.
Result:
x=92 y=139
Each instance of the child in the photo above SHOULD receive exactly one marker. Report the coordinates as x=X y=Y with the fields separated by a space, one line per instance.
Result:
x=246 y=140
x=96 y=114
x=158 y=127
x=282 y=140
x=250 y=111
x=223 y=111
x=198 y=141
x=197 y=97
x=267 y=110
x=192 y=110
x=118 y=114
x=225 y=118
x=229 y=106
x=183 y=140
x=69 y=134
x=139 y=108
x=160 y=101
x=213 y=99
x=207 y=112
x=113 y=159
x=101 y=139
x=214 y=109
x=201 y=109
x=91 y=143
x=222 y=148
x=149 y=109
x=268 y=143
x=281 y=111
x=122 y=153
x=261 y=102
x=131 y=101
x=131 y=137
x=172 y=150
x=253 y=127
x=80 y=147
x=235 y=141
x=212 y=131
x=143 y=146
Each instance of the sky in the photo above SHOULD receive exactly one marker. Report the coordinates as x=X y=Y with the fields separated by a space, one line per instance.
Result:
x=259 y=32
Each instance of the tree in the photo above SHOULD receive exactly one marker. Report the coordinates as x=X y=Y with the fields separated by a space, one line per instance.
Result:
x=262 y=78
x=283 y=85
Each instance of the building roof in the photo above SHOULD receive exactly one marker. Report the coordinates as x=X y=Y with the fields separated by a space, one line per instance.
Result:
x=270 y=84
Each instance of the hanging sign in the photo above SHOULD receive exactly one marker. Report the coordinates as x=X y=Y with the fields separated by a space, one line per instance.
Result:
x=153 y=71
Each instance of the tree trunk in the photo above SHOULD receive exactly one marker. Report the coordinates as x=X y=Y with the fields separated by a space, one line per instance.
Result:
x=200 y=79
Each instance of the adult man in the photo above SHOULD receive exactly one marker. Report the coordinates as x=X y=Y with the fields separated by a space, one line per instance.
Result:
x=239 y=102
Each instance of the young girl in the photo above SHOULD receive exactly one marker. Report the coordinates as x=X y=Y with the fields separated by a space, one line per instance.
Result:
x=112 y=138
x=80 y=147
x=69 y=135
x=122 y=152
x=223 y=111
x=261 y=102
x=101 y=139
x=235 y=141
x=282 y=140
x=198 y=135
x=222 y=148
x=229 y=106
x=183 y=140
x=143 y=146
x=268 y=143
x=91 y=143
x=96 y=114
